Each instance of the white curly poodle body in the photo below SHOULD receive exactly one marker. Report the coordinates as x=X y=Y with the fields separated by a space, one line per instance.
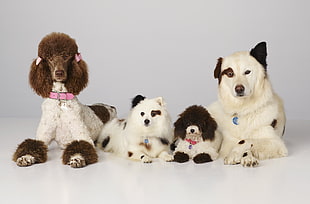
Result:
x=67 y=120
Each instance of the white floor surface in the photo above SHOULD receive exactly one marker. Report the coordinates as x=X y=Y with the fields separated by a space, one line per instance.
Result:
x=116 y=180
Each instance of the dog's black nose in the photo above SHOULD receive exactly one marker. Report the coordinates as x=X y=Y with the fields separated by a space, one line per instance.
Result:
x=146 y=121
x=239 y=90
x=192 y=130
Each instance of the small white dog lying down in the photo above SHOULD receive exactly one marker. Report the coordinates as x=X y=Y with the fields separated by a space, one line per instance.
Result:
x=249 y=114
x=145 y=134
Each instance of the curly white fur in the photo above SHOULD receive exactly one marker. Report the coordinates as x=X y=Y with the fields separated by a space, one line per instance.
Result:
x=67 y=120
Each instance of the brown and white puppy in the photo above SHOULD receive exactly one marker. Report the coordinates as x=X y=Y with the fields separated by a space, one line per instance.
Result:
x=249 y=114
x=195 y=131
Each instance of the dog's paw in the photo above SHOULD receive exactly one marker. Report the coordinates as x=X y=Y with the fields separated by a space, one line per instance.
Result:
x=232 y=159
x=26 y=160
x=166 y=156
x=181 y=157
x=248 y=160
x=146 y=159
x=202 y=158
x=77 y=161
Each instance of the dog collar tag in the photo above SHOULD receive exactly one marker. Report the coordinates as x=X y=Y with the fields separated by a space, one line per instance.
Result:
x=235 y=120
x=64 y=106
x=146 y=141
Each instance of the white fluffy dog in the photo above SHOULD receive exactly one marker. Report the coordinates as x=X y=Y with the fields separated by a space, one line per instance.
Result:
x=249 y=114
x=145 y=134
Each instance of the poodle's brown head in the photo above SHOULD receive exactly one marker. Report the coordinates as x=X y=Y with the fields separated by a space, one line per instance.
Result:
x=195 y=116
x=58 y=60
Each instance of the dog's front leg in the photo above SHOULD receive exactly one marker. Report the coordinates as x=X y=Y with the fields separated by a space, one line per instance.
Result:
x=35 y=151
x=76 y=125
x=79 y=154
x=46 y=130
x=30 y=152
x=241 y=153
x=164 y=155
x=139 y=156
x=268 y=148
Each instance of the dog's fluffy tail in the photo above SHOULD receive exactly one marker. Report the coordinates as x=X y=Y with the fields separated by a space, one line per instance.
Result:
x=110 y=138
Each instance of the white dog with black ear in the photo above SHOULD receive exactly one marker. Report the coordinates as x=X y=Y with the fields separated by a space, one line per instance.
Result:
x=249 y=114
x=145 y=134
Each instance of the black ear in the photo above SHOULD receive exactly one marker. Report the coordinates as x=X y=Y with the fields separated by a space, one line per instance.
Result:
x=137 y=100
x=259 y=52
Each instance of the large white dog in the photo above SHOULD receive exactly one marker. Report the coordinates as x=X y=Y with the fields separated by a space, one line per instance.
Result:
x=250 y=116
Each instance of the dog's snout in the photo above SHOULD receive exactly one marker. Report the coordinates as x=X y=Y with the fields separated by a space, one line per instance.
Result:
x=239 y=89
x=146 y=121
x=192 y=130
x=59 y=73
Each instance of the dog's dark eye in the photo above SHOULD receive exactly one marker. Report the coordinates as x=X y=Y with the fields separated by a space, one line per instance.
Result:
x=247 y=72
x=65 y=57
x=229 y=72
x=142 y=113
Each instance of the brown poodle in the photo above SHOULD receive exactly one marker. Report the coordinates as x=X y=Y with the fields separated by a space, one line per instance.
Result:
x=195 y=129
x=58 y=75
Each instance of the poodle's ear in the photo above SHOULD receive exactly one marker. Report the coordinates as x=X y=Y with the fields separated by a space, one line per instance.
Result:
x=136 y=100
x=77 y=77
x=208 y=129
x=179 y=129
x=40 y=78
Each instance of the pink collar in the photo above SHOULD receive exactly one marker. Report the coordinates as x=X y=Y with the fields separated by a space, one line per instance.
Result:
x=61 y=95
x=192 y=142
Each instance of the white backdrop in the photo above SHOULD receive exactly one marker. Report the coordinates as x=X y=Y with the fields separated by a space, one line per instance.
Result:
x=163 y=48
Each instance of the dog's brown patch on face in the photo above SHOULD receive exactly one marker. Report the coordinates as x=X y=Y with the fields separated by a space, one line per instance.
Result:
x=155 y=113
x=229 y=72
x=274 y=123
